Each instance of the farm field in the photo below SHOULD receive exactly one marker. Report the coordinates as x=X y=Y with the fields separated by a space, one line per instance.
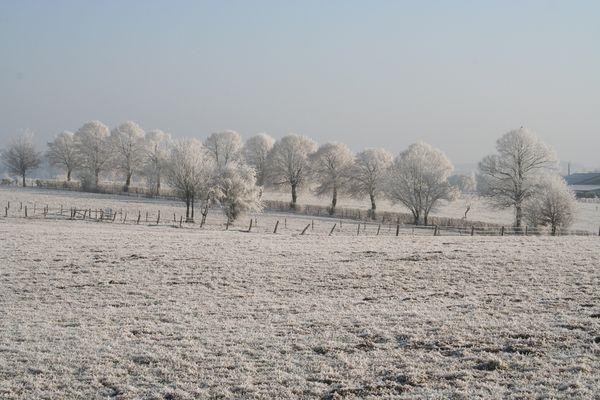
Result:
x=98 y=310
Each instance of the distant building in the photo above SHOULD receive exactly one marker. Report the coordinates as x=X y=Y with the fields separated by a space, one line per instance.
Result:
x=585 y=184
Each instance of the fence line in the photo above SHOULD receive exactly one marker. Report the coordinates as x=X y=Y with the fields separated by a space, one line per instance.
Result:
x=329 y=226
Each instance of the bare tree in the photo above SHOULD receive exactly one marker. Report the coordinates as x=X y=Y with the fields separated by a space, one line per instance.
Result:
x=128 y=143
x=236 y=190
x=93 y=149
x=61 y=152
x=190 y=172
x=287 y=163
x=330 y=168
x=508 y=177
x=21 y=155
x=255 y=150
x=368 y=174
x=418 y=179
x=157 y=154
x=552 y=204
x=224 y=147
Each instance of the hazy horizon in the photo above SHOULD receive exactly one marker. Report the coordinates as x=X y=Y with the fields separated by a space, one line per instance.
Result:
x=385 y=74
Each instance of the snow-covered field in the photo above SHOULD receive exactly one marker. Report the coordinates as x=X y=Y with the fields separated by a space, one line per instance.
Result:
x=110 y=310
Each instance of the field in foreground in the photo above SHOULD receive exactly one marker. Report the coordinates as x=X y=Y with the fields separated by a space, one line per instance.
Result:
x=92 y=310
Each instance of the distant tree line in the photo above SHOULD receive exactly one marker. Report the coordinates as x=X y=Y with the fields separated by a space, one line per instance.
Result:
x=224 y=170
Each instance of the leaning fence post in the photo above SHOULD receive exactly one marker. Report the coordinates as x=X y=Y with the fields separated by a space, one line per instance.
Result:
x=435 y=231
x=358 y=229
x=250 y=227
x=304 y=230
x=139 y=216
x=332 y=229
x=158 y=218
x=397 y=229
x=378 y=229
x=276 y=225
x=180 y=221
x=25 y=211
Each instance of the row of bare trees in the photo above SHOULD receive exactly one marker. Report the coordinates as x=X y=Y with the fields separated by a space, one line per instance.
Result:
x=522 y=174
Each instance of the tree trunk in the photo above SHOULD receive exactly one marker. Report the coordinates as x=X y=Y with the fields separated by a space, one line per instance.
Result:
x=416 y=217
x=519 y=215
x=127 y=182
x=373 y=205
x=425 y=217
x=96 y=177
x=24 y=184
x=187 y=209
x=192 y=208
x=69 y=175
x=294 y=198
x=333 y=202
x=157 y=184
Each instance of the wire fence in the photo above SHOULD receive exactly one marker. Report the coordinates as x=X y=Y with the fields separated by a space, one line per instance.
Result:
x=274 y=222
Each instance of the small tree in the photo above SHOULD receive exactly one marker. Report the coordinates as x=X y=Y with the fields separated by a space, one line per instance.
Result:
x=508 y=178
x=21 y=155
x=61 y=152
x=256 y=149
x=287 y=163
x=552 y=204
x=330 y=168
x=224 y=147
x=93 y=150
x=190 y=172
x=157 y=154
x=418 y=179
x=368 y=175
x=128 y=142
x=237 y=191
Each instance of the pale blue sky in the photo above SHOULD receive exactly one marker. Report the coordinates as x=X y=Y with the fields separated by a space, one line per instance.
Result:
x=456 y=74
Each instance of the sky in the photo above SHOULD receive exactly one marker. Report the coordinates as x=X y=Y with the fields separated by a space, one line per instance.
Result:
x=456 y=74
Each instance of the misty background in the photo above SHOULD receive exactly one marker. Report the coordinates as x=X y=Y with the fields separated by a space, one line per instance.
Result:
x=369 y=74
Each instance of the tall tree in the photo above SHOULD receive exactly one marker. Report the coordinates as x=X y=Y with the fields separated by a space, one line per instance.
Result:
x=21 y=155
x=288 y=163
x=128 y=143
x=552 y=204
x=236 y=190
x=255 y=150
x=368 y=174
x=508 y=177
x=418 y=179
x=190 y=172
x=157 y=154
x=224 y=147
x=61 y=152
x=330 y=168
x=93 y=150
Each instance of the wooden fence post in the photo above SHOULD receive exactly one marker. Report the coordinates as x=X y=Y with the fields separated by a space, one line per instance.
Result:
x=25 y=211
x=312 y=224
x=181 y=221
x=526 y=229
x=435 y=231
x=397 y=229
x=125 y=219
x=114 y=216
x=502 y=231
x=276 y=225
x=358 y=229
x=378 y=229
x=250 y=227
x=158 y=218
x=332 y=229
x=285 y=222
x=304 y=230
x=139 y=217
x=101 y=215
x=146 y=216
x=472 y=230
x=6 y=211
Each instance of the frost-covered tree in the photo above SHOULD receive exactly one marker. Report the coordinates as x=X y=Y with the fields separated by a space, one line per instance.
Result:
x=368 y=174
x=21 y=155
x=287 y=163
x=61 y=152
x=256 y=149
x=93 y=150
x=236 y=190
x=552 y=204
x=157 y=155
x=190 y=172
x=464 y=183
x=508 y=177
x=224 y=147
x=418 y=179
x=330 y=168
x=128 y=142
